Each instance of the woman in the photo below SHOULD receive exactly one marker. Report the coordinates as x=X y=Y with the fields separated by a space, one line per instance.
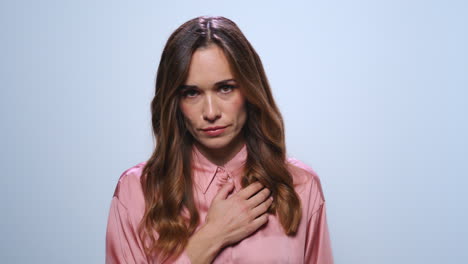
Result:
x=218 y=187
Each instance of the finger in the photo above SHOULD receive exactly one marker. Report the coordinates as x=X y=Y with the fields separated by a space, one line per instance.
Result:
x=224 y=191
x=261 y=208
x=258 y=222
x=250 y=190
x=258 y=198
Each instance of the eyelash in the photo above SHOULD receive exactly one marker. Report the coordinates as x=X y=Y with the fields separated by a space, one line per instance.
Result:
x=231 y=87
x=186 y=92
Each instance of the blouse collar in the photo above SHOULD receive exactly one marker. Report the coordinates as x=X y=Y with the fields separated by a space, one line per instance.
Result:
x=205 y=170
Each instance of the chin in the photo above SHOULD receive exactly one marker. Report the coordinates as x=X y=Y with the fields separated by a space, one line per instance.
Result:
x=214 y=143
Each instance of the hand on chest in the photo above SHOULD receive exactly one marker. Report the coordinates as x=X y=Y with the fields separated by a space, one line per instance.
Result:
x=269 y=244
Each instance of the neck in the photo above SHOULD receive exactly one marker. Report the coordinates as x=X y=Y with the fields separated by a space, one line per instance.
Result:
x=221 y=156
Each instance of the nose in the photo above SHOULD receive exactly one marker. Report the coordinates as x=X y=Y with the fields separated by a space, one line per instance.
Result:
x=211 y=111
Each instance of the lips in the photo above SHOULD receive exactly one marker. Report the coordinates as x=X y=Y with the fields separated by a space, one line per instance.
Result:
x=213 y=128
x=214 y=131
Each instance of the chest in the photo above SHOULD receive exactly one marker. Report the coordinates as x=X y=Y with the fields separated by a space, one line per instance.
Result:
x=269 y=244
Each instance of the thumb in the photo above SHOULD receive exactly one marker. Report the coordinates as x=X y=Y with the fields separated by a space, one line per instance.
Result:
x=224 y=191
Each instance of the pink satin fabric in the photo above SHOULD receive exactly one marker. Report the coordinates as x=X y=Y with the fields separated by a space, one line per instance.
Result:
x=269 y=244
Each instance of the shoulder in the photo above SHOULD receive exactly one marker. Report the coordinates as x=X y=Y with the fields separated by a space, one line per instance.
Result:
x=300 y=171
x=128 y=189
x=306 y=183
x=303 y=175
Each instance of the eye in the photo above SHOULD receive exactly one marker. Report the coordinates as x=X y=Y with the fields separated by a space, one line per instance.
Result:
x=226 y=88
x=189 y=93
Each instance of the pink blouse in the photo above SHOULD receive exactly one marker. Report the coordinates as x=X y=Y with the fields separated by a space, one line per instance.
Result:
x=269 y=244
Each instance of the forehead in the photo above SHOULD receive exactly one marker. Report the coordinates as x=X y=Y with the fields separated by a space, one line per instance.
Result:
x=208 y=66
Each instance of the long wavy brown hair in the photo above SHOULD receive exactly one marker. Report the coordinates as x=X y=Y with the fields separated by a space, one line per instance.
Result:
x=170 y=216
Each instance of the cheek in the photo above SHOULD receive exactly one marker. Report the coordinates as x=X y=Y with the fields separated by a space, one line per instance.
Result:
x=238 y=107
x=188 y=113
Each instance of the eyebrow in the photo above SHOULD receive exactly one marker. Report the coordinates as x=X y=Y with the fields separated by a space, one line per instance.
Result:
x=184 y=86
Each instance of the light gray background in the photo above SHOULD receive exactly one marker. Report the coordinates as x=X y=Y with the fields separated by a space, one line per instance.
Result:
x=373 y=93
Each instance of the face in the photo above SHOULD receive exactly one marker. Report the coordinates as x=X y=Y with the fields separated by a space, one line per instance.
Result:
x=212 y=103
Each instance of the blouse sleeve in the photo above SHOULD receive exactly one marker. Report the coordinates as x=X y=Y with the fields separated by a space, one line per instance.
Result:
x=123 y=244
x=318 y=246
